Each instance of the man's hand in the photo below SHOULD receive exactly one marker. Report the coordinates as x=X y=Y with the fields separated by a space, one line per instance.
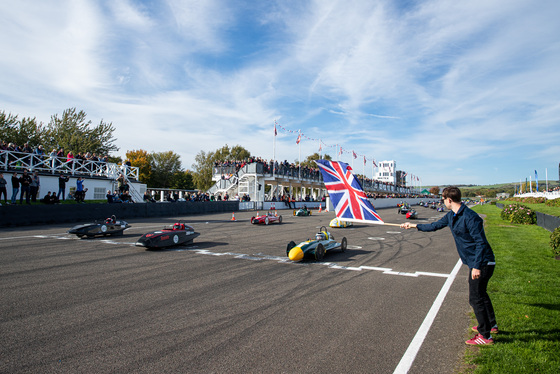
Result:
x=475 y=273
x=408 y=225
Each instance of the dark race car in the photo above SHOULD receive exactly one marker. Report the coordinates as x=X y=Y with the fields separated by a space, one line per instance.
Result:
x=315 y=249
x=109 y=226
x=404 y=208
x=178 y=233
x=265 y=219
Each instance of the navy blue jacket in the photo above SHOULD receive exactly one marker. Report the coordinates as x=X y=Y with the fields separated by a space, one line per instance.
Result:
x=468 y=232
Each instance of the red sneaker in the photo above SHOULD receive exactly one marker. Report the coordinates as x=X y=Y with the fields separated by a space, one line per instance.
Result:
x=494 y=330
x=479 y=340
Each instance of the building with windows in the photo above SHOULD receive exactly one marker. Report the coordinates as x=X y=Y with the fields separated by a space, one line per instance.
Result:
x=386 y=172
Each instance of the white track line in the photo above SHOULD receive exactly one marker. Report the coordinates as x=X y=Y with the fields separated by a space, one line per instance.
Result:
x=410 y=354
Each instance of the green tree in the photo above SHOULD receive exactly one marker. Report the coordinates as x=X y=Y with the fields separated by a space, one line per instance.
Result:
x=164 y=166
x=143 y=161
x=26 y=130
x=72 y=132
x=310 y=160
x=204 y=163
x=182 y=180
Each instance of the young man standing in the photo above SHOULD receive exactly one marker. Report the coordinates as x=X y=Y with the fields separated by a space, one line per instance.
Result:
x=475 y=252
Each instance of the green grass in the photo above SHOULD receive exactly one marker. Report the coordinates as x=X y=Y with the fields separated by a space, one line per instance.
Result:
x=542 y=207
x=525 y=291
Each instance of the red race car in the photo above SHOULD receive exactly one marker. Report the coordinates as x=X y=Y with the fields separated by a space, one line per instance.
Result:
x=266 y=218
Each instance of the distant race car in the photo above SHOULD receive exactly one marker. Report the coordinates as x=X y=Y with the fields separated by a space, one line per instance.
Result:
x=315 y=249
x=335 y=222
x=266 y=219
x=178 y=233
x=302 y=212
x=109 y=226
x=403 y=209
x=440 y=208
x=412 y=214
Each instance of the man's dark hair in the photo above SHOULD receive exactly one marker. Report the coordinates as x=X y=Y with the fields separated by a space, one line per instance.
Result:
x=452 y=192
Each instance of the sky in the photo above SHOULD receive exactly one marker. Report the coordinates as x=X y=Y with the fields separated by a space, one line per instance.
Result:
x=456 y=92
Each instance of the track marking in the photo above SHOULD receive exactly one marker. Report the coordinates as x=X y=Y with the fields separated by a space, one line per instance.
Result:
x=412 y=350
x=262 y=256
x=374 y=238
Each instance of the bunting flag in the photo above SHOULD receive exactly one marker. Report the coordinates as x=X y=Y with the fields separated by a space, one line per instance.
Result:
x=348 y=198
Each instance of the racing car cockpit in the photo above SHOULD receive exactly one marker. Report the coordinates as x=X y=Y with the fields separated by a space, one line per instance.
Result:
x=179 y=226
x=321 y=236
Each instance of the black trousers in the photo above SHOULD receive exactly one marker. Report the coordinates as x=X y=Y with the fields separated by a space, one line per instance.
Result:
x=480 y=301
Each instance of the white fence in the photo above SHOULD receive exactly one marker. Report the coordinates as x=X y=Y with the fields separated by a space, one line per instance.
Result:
x=18 y=161
x=549 y=195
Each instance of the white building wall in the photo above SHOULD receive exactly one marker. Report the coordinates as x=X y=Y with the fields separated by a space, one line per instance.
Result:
x=387 y=171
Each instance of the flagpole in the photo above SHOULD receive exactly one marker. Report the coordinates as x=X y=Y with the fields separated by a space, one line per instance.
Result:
x=299 y=144
x=274 y=148
x=546 y=176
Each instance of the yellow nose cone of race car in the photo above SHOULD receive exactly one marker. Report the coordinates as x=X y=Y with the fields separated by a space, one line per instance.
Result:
x=296 y=254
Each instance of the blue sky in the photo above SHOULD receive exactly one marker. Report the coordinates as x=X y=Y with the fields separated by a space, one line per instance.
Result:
x=455 y=91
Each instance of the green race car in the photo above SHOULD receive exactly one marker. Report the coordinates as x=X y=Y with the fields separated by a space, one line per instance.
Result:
x=315 y=249
x=302 y=212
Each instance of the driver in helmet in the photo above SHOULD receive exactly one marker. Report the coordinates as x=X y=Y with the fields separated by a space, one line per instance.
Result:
x=320 y=236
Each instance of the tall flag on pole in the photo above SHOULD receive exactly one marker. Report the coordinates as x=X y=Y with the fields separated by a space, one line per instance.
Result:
x=537 y=180
x=298 y=139
x=275 y=132
x=348 y=198
x=354 y=155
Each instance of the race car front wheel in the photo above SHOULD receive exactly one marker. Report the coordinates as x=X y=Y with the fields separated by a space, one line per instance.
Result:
x=344 y=244
x=319 y=252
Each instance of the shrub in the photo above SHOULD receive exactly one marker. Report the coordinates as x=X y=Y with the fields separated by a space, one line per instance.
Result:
x=555 y=241
x=553 y=202
x=517 y=213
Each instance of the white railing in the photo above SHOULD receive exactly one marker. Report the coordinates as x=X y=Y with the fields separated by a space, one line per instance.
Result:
x=549 y=195
x=18 y=161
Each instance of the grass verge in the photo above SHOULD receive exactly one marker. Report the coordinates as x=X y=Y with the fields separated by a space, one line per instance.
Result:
x=525 y=292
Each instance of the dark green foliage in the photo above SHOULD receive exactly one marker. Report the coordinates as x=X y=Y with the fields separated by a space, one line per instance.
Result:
x=71 y=131
x=555 y=241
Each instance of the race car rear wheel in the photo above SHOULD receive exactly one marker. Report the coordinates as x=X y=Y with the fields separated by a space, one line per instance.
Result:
x=291 y=245
x=252 y=219
x=343 y=244
x=266 y=221
x=279 y=219
x=319 y=252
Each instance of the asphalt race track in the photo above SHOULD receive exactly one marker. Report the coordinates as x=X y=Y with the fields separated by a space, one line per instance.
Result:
x=230 y=302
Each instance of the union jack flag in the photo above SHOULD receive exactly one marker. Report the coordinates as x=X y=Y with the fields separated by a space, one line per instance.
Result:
x=348 y=198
